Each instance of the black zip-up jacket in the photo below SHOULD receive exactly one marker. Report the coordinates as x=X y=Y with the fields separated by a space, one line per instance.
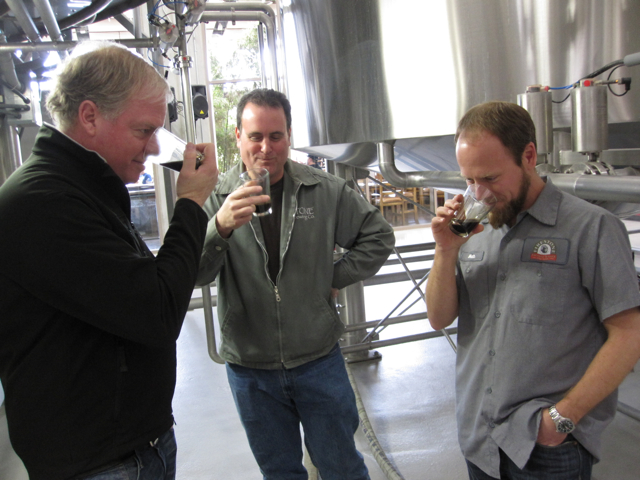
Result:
x=88 y=316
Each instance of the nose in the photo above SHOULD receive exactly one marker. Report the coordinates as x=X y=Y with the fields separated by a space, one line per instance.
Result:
x=266 y=146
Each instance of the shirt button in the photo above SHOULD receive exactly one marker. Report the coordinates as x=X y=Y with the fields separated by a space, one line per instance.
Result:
x=489 y=390
x=503 y=277
x=492 y=425
x=492 y=353
x=539 y=273
x=218 y=247
x=497 y=314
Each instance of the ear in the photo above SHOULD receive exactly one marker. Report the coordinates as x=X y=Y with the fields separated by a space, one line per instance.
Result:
x=88 y=116
x=530 y=156
x=238 y=133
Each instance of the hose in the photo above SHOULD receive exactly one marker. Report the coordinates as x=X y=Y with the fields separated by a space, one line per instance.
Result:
x=389 y=469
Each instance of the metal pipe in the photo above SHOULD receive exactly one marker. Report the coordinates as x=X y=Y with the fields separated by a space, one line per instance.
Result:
x=185 y=77
x=598 y=187
x=50 y=22
x=398 y=340
x=7 y=68
x=239 y=7
x=198 y=302
x=432 y=179
x=19 y=9
x=117 y=8
x=589 y=187
x=156 y=54
x=629 y=410
x=391 y=321
x=235 y=16
x=49 y=46
x=208 y=325
x=263 y=69
x=10 y=152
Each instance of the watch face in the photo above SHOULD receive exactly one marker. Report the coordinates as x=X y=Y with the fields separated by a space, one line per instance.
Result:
x=565 y=426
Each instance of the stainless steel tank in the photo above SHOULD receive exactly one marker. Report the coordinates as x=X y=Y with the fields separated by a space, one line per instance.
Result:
x=366 y=71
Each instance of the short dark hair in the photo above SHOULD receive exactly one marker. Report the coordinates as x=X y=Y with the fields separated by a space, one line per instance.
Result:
x=264 y=97
x=511 y=123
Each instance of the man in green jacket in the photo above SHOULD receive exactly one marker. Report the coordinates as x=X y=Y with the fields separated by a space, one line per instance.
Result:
x=276 y=276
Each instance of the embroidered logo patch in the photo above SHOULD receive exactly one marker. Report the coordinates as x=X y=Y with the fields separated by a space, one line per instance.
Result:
x=544 y=250
x=305 y=213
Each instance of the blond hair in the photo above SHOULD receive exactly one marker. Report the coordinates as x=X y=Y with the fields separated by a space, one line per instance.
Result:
x=106 y=73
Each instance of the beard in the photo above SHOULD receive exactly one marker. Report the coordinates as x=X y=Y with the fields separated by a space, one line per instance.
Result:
x=505 y=215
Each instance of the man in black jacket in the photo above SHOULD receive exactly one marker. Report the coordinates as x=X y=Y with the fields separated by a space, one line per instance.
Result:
x=87 y=368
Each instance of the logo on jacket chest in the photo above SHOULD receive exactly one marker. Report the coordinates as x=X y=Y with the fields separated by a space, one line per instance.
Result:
x=304 y=213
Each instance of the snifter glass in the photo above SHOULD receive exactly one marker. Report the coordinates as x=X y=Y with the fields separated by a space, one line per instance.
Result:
x=258 y=176
x=478 y=202
x=166 y=149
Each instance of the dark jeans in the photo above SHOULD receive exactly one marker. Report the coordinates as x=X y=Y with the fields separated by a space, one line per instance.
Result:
x=155 y=461
x=273 y=403
x=567 y=461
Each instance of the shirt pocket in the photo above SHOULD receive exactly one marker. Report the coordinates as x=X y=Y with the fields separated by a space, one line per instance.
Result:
x=475 y=275
x=541 y=293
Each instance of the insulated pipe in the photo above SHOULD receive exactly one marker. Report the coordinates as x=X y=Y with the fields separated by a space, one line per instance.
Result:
x=49 y=46
x=588 y=187
x=23 y=18
x=251 y=17
x=50 y=22
x=432 y=179
x=49 y=19
x=599 y=187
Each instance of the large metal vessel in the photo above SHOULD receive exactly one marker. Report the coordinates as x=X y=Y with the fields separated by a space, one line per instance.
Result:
x=369 y=71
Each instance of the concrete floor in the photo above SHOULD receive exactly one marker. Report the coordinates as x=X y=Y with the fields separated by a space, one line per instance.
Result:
x=408 y=395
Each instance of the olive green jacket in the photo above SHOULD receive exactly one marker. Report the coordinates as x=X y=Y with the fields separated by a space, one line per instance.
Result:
x=294 y=321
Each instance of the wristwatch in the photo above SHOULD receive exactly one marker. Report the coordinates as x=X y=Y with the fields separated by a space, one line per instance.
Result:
x=563 y=424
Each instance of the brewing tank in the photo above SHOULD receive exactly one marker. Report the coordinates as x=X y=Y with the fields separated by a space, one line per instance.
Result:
x=367 y=71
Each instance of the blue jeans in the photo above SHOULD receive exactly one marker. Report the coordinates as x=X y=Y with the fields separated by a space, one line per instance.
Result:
x=567 y=461
x=156 y=461
x=273 y=403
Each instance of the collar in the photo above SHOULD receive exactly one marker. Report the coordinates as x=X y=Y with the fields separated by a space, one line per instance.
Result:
x=55 y=129
x=545 y=208
x=64 y=156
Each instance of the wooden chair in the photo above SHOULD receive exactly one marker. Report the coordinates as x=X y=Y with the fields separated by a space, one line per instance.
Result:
x=408 y=207
x=393 y=203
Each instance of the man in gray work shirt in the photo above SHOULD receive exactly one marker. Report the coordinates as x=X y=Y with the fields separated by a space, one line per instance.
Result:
x=547 y=303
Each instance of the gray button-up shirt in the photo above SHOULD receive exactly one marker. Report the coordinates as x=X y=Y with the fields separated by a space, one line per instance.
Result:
x=532 y=301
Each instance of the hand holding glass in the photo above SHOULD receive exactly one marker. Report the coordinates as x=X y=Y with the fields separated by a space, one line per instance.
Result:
x=165 y=149
x=478 y=202
x=258 y=176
